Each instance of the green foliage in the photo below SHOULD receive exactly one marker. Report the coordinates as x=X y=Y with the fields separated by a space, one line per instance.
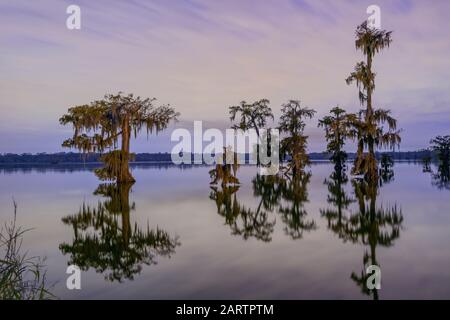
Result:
x=337 y=129
x=226 y=169
x=113 y=161
x=369 y=126
x=295 y=143
x=371 y=40
x=98 y=126
x=21 y=277
x=364 y=78
x=441 y=145
x=252 y=115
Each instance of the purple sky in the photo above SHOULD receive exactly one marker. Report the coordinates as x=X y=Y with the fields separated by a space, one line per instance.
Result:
x=203 y=56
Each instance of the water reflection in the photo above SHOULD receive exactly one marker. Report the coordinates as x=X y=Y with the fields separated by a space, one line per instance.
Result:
x=386 y=171
x=337 y=216
x=441 y=177
x=105 y=240
x=282 y=195
x=294 y=193
x=242 y=221
x=89 y=166
x=372 y=226
x=439 y=172
x=355 y=227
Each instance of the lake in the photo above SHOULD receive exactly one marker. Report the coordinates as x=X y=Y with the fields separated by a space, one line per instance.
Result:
x=172 y=236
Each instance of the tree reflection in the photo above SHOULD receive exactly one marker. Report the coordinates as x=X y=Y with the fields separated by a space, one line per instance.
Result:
x=372 y=225
x=338 y=198
x=386 y=171
x=267 y=188
x=243 y=221
x=294 y=193
x=441 y=177
x=276 y=194
x=105 y=240
x=286 y=195
x=440 y=145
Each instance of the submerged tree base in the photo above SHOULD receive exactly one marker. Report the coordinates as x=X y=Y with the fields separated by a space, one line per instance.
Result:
x=116 y=167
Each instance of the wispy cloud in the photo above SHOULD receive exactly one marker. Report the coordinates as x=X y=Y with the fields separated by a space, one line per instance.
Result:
x=202 y=56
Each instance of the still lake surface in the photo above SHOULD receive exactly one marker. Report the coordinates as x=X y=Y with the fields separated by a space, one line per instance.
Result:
x=170 y=236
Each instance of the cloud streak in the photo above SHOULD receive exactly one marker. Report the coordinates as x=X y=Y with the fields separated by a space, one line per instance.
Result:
x=203 y=56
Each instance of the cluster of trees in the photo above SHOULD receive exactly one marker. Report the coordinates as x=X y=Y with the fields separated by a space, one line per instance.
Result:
x=107 y=125
x=370 y=127
x=102 y=124
x=292 y=124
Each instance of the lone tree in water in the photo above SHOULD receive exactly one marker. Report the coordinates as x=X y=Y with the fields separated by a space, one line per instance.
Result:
x=252 y=116
x=369 y=126
x=337 y=130
x=292 y=122
x=441 y=146
x=100 y=125
x=226 y=169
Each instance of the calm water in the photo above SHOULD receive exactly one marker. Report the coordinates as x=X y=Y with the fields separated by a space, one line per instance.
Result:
x=171 y=236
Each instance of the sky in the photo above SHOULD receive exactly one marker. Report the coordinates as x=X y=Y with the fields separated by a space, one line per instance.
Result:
x=204 y=56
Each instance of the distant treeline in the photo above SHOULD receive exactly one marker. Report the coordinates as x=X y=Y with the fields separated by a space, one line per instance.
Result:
x=72 y=157
x=395 y=155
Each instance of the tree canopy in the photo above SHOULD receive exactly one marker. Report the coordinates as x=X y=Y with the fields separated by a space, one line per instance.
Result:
x=101 y=124
x=337 y=127
x=369 y=126
x=292 y=123
x=252 y=115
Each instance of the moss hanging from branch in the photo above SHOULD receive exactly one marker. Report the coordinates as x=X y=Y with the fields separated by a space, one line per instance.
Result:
x=337 y=127
x=101 y=125
x=373 y=127
x=292 y=123
x=226 y=168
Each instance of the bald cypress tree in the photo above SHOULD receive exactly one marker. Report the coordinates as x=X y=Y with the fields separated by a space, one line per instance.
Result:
x=370 y=123
x=100 y=125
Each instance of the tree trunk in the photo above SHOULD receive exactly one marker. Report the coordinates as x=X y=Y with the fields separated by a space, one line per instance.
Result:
x=372 y=161
x=258 y=163
x=125 y=174
x=372 y=171
x=124 y=191
x=357 y=164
